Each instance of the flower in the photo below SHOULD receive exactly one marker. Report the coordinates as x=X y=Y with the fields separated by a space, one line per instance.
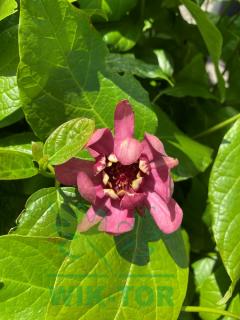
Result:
x=127 y=174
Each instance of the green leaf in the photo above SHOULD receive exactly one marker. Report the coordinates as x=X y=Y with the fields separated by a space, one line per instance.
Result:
x=74 y=58
x=26 y=268
x=203 y=269
x=16 y=165
x=122 y=277
x=129 y=64
x=212 y=38
x=37 y=150
x=211 y=291
x=7 y=7
x=164 y=62
x=123 y=35
x=51 y=212
x=193 y=157
x=191 y=81
x=113 y=9
x=10 y=105
x=224 y=199
x=9 y=57
x=67 y=140
x=18 y=142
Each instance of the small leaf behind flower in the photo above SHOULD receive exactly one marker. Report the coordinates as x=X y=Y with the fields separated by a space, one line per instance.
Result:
x=67 y=140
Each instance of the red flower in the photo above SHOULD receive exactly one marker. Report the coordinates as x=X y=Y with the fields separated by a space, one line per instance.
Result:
x=127 y=174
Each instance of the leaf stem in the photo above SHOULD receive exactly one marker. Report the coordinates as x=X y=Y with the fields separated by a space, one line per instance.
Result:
x=210 y=310
x=51 y=169
x=217 y=127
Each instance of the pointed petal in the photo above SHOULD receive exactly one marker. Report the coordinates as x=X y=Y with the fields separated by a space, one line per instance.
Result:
x=159 y=181
x=101 y=143
x=128 y=151
x=117 y=220
x=132 y=200
x=168 y=216
x=90 y=219
x=67 y=172
x=152 y=147
x=123 y=121
x=89 y=185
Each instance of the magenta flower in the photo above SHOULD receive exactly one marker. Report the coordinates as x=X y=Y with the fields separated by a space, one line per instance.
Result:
x=127 y=174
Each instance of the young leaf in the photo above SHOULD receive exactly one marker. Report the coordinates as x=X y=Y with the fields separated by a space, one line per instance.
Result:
x=67 y=140
x=224 y=199
x=16 y=165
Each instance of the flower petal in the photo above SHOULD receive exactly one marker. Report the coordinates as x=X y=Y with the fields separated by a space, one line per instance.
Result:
x=159 y=181
x=164 y=161
x=152 y=147
x=132 y=200
x=99 y=165
x=154 y=150
x=89 y=185
x=117 y=220
x=128 y=151
x=90 y=219
x=123 y=121
x=101 y=143
x=67 y=172
x=168 y=216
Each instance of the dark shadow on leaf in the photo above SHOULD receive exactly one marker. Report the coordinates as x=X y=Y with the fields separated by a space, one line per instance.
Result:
x=66 y=220
x=134 y=246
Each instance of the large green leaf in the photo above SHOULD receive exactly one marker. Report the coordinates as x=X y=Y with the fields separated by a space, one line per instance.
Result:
x=123 y=277
x=224 y=199
x=16 y=165
x=114 y=9
x=51 y=212
x=67 y=140
x=211 y=36
x=7 y=7
x=26 y=268
x=61 y=83
x=10 y=105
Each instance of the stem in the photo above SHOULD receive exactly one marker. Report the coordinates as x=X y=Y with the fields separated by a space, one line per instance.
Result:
x=156 y=97
x=51 y=169
x=210 y=310
x=217 y=127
